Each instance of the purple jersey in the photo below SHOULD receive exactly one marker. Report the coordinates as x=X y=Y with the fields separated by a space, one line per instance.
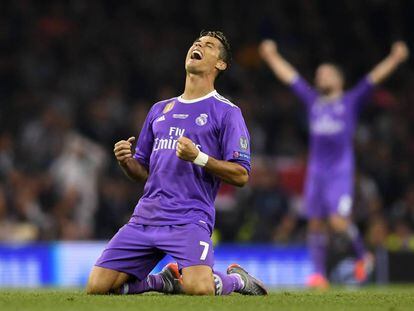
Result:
x=177 y=191
x=332 y=125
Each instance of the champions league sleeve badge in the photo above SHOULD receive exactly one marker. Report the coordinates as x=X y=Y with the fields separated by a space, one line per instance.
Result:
x=201 y=119
x=244 y=144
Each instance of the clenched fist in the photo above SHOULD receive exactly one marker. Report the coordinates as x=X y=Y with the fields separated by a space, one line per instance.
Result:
x=400 y=51
x=186 y=149
x=267 y=49
x=123 y=150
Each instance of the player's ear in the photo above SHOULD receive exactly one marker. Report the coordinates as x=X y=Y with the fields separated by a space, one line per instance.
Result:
x=221 y=65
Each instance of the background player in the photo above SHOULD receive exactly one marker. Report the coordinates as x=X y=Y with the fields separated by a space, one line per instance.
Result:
x=187 y=145
x=332 y=115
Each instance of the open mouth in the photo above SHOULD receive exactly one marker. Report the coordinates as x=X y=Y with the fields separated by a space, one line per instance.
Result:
x=196 y=54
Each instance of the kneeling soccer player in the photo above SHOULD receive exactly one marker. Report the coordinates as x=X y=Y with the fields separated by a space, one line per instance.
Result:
x=187 y=145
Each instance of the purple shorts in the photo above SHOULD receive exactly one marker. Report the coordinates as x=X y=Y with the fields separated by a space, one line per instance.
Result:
x=328 y=194
x=136 y=249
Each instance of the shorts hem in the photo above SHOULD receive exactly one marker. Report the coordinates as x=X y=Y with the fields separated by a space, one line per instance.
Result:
x=180 y=266
x=118 y=270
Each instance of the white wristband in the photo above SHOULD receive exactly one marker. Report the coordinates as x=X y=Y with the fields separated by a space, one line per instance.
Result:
x=201 y=159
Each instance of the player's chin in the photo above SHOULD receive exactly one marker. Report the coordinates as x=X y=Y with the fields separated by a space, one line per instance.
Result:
x=193 y=67
x=324 y=89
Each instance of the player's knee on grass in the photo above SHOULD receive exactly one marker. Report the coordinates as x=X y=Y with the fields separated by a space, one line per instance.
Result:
x=199 y=287
x=97 y=288
x=104 y=281
x=198 y=280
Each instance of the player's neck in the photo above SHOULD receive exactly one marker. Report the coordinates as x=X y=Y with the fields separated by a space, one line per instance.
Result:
x=197 y=86
x=333 y=95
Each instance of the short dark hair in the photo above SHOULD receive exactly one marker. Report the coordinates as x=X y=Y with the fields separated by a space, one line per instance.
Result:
x=225 y=50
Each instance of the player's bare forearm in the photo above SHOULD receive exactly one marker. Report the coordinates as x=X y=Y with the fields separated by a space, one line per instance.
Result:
x=399 y=53
x=282 y=69
x=383 y=70
x=134 y=170
x=229 y=172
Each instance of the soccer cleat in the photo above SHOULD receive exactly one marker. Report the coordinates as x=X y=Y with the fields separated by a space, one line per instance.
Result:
x=171 y=279
x=363 y=268
x=317 y=281
x=252 y=286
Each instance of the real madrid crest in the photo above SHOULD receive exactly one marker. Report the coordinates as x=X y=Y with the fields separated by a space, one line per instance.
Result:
x=201 y=119
x=168 y=107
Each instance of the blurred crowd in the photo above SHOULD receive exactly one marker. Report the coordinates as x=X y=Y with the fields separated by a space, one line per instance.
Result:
x=76 y=76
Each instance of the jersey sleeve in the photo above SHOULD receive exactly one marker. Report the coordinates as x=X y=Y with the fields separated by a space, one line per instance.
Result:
x=235 y=139
x=306 y=93
x=145 y=142
x=360 y=93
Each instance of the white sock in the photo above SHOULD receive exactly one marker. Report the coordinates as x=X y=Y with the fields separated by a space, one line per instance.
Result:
x=124 y=289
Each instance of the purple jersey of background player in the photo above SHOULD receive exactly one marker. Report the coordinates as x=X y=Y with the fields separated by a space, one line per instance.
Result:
x=332 y=125
x=180 y=192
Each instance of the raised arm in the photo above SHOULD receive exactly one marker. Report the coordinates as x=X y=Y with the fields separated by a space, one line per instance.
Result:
x=284 y=71
x=399 y=54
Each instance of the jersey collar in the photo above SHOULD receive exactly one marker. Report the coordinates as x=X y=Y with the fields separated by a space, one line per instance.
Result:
x=190 y=101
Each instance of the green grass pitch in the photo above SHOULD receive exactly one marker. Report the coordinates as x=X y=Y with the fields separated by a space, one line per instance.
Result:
x=386 y=298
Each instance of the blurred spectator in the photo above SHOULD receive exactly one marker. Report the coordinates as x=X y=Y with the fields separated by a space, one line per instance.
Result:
x=377 y=232
x=229 y=213
x=75 y=174
x=367 y=199
x=267 y=203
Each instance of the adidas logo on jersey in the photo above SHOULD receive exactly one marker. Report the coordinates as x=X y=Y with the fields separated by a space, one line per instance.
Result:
x=162 y=118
